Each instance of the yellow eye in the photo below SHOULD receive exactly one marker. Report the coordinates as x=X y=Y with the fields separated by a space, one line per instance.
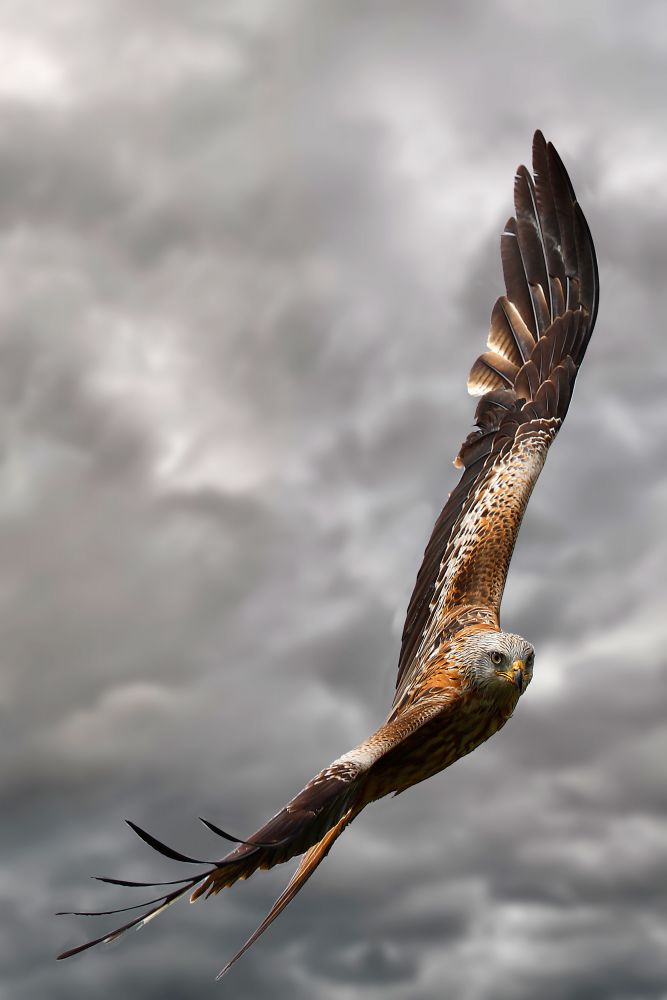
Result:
x=496 y=657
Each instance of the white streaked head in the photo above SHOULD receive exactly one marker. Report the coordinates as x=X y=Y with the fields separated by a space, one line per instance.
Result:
x=491 y=660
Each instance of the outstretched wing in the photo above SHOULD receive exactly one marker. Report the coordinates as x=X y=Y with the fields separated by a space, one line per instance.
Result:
x=309 y=823
x=539 y=333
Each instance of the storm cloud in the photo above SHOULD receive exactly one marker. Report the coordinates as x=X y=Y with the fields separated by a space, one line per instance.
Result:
x=248 y=252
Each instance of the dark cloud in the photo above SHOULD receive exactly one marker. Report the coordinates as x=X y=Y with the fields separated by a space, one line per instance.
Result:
x=247 y=255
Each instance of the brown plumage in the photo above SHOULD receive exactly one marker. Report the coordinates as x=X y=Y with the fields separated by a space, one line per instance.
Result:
x=459 y=676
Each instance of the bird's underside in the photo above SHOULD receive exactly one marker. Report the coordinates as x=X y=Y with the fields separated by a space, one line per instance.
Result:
x=459 y=675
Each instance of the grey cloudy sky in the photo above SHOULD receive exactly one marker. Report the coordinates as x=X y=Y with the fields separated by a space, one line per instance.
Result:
x=248 y=252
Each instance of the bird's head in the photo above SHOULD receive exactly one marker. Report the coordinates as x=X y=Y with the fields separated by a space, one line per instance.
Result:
x=494 y=660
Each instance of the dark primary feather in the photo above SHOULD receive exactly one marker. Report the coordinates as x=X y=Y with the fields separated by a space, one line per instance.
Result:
x=110 y=936
x=238 y=840
x=161 y=848
x=531 y=243
x=309 y=823
x=546 y=203
x=108 y=913
x=137 y=885
x=539 y=330
x=294 y=829
x=516 y=279
x=186 y=885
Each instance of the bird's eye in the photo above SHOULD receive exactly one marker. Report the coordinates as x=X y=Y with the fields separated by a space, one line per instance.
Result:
x=530 y=660
x=496 y=657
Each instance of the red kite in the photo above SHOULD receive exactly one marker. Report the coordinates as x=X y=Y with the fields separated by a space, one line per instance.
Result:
x=459 y=675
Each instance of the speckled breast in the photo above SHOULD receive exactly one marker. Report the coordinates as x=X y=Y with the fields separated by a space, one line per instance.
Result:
x=436 y=745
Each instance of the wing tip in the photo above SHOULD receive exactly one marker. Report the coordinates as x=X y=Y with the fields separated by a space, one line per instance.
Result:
x=164 y=849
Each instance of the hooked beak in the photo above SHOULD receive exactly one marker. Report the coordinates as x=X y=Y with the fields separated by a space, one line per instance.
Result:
x=517 y=675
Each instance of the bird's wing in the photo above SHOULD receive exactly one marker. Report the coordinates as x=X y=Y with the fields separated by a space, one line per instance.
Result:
x=538 y=336
x=389 y=737
x=310 y=823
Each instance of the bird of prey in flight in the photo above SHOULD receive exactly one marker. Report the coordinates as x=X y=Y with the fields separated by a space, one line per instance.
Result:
x=459 y=675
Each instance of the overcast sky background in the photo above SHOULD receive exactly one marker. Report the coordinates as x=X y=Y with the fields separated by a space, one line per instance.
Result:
x=248 y=252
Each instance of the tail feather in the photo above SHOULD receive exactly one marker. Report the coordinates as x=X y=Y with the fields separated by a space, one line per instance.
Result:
x=163 y=903
x=307 y=866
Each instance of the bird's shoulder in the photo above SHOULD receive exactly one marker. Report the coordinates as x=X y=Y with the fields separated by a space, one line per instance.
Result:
x=439 y=678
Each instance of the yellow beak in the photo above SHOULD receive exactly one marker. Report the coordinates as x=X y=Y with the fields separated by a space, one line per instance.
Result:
x=517 y=674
